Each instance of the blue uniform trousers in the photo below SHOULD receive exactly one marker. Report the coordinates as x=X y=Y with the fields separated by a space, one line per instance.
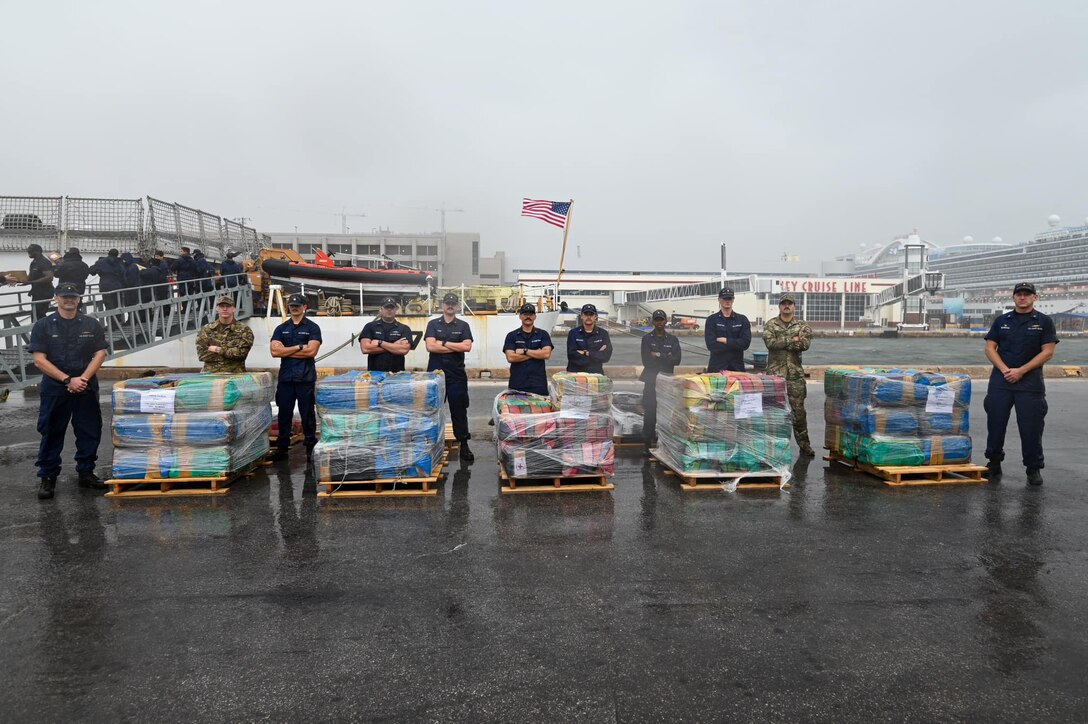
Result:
x=57 y=409
x=457 y=397
x=287 y=395
x=1031 y=411
x=649 y=408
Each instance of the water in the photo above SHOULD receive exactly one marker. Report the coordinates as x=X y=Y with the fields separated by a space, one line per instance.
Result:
x=901 y=351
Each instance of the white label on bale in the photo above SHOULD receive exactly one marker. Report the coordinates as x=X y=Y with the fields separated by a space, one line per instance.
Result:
x=749 y=405
x=157 y=402
x=583 y=402
x=574 y=414
x=940 y=399
x=520 y=468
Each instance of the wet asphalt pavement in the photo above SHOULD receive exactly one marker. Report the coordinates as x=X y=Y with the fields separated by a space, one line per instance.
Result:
x=839 y=600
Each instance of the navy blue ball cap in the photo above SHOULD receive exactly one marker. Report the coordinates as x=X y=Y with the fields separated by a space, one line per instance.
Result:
x=450 y=298
x=389 y=302
x=67 y=289
x=660 y=314
x=296 y=300
x=1024 y=287
x=726 y=293
x=526 y=309
x=589 y=309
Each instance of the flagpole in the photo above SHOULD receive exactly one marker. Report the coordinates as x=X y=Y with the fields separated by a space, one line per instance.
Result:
x=563 y=254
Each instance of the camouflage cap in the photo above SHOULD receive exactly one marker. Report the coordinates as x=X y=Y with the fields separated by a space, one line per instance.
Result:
x=225 y=301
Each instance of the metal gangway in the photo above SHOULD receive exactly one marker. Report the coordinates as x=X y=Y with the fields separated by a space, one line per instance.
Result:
x=141 y=320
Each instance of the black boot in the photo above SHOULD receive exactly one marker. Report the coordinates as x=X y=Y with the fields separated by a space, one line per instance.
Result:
x=278 y=454
x=466 y=454
x=46 y=488
x=309 y=452
x=1034 y=476
x=993 y=470
x=90 y=480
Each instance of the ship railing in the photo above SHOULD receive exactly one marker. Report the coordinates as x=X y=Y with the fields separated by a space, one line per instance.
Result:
x=146 y=316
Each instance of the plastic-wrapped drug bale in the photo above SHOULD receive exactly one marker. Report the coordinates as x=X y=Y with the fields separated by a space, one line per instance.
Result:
x=167 y=394
x=190 y=425
x=724 y=423
x=883 y=417
x=538 y=440
x=187 y=461
x=195 y=429
x=381 y=425
x=627 y=413
x=582 y=391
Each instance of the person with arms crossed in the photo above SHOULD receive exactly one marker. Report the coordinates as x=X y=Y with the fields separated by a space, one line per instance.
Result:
x=385 y=341
x=527 y=350
x=727 y=335
x=224 y=344
x=295 y=343
x=660 y=355
x=447 y=339
x=588 y=346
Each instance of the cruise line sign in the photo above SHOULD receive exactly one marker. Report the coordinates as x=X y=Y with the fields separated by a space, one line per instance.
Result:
x=828 y=286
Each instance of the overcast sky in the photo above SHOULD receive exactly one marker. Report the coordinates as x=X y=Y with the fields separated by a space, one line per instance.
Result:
x=803 y=128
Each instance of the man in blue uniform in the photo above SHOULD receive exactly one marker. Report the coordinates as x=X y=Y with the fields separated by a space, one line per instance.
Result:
x=40 y=279
x=385 y=341
x=295 y=343
x=184 y=269
x=1018 y=344
x=111 y=278
x=588 y=346
x=68 y=348
x=230 y=271
x=448 y=338
x=527 y=350
x=727 y=334
x=660 y=354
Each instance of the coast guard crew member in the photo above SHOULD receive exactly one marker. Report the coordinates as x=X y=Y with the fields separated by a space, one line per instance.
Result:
x=527 y=349
x=68 y=348
x=385 y=341
x=727 y=335
x=1018 y=344
x=224 y=344
x=295 y=343
x=40 y=279
x=660 y=354
x=448 y=338
x=588 y=346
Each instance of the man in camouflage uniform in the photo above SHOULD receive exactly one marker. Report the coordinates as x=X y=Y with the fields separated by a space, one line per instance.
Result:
x=786 y=338
x=224 y=344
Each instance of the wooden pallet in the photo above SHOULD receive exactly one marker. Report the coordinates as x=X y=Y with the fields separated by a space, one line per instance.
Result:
x=451 y=441
x=951 y=474
x=173 y=487
x=711 y=480
x=385 y=487
x=565 y=484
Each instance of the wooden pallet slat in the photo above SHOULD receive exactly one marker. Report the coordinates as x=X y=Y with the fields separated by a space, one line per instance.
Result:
x=176 y=487
x=386 y=487
x=587 y=483
x=900 y=475
x=451 y=440
x=628 y=440
x=713 y=480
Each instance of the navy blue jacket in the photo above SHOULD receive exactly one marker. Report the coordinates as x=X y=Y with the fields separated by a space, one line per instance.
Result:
x=228 y=270
x=669 y=347
x=579 y=339
x=111 y=273
x=292 y=335
x=531 y=375
x=380 y=331
x=738 y=330
x=69 y=344
x=184 y=268
x=1019 y=338
x=453 y=363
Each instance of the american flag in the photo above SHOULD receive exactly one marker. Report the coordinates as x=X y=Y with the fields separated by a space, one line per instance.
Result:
x=553 y=212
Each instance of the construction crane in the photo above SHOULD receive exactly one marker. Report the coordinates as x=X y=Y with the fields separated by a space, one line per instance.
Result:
x=443 y=211
x=344 y=219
